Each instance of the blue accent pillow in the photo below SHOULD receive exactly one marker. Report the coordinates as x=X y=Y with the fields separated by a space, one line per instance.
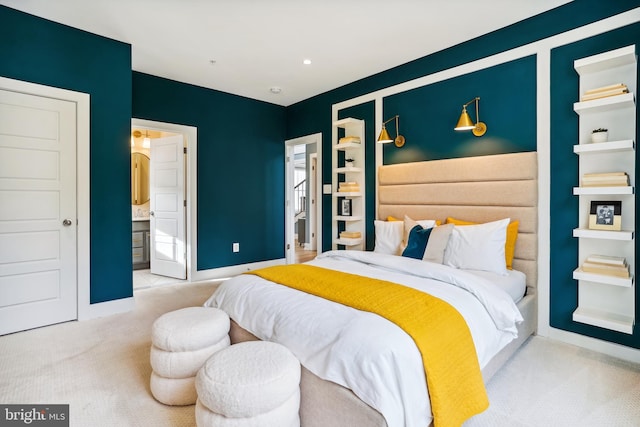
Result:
x=417 y=242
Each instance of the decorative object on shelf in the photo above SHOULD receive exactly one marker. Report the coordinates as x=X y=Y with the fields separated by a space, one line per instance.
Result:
x=349 y=162
x=345 y=207
x=605 y=215
x=604 y=92
x=384 y=136
x=348 y=187
x=465 y=123
x=607 y=179
x=349 y=139
x=606 y=265
x=350 y=235
x=599 y=135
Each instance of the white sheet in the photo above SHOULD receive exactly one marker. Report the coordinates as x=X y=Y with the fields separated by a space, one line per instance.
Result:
x=514 y=283
x=362 y=351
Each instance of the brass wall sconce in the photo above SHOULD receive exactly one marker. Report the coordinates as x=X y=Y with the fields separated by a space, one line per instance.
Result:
x=384 y=136
x=465 y=123
x=146 y=142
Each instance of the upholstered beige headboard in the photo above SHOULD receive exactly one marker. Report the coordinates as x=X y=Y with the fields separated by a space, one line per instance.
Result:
x=479 y=189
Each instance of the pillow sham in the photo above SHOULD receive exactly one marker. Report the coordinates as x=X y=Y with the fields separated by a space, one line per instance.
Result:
x=417 y=242
x=478 y=247
x=510 y=243
x=437 y=244
x=388 y=238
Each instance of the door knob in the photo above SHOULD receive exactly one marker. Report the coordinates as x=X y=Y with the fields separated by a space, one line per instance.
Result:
x=67 y=222
x=152 y=213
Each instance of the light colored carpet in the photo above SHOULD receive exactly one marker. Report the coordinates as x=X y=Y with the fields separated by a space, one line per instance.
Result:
x=101 y=369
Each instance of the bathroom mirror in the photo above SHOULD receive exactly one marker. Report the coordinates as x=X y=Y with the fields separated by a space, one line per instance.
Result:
x=139 y=179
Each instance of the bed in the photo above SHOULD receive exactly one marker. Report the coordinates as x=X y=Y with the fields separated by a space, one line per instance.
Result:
x=485 y=190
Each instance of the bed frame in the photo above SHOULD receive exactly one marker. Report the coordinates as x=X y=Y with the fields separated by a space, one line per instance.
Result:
x=478 y=189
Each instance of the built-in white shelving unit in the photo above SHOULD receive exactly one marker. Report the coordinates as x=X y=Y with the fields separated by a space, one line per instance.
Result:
x=343 y=171
x=603 y=300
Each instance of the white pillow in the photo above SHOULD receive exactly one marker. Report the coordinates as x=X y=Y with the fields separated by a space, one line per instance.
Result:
x=478 y=247
x=388 y=237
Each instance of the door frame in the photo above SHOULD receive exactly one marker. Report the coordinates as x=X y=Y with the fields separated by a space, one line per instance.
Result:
x=289 y=232
x=190 y=134
x=313 y=189
x=83 y=209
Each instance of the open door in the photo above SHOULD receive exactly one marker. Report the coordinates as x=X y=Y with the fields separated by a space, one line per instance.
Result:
x=167 y=206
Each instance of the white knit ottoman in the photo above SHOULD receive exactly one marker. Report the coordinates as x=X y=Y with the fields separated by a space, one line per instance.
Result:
x=182 y=341
x=250 y=384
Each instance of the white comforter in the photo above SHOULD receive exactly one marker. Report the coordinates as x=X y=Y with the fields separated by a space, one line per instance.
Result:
x=362 y=351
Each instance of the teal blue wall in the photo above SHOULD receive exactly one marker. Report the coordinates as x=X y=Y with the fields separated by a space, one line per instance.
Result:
x=40 y=51
x=314 y=114
x=564 y=166
x=507 y=105
x=240 y=158
x=428 y=114
x=240 y=166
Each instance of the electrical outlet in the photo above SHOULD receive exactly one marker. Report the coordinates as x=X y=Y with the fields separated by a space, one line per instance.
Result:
x=236 y=247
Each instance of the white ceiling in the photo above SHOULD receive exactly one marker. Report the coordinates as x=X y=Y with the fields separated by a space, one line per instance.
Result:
x=260 y=44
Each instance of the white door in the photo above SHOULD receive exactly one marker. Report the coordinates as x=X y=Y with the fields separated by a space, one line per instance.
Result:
x=166 y=181
x=38 y=256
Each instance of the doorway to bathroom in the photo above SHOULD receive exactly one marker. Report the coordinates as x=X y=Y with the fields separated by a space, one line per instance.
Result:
x=162 y=202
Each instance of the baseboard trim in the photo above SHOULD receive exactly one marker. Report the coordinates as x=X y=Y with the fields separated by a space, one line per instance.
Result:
x=107 y=308
x=233 y=270
x=611 y=349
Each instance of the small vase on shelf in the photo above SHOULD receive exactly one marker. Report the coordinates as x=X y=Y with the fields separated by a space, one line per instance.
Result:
x=599 y=135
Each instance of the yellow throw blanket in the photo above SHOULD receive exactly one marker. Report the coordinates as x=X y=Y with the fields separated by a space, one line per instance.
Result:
x=456 y=388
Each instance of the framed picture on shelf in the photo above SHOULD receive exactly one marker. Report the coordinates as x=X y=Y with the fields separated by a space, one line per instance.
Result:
x=605 y=215
x=345 y=207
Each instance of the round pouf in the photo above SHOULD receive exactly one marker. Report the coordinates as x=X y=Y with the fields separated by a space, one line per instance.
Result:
x=250 y=384
x=182 y=341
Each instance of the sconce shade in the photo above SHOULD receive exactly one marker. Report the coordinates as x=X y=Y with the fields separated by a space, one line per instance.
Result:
x=384 y=137
x=465 y=122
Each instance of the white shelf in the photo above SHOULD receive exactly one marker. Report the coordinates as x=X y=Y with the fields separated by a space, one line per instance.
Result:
x=348 y=169
x=348 y=242
x=587 y=191
x=605 y=104
x=348 y=146
x=578 y=274
x=603 y=234
x=347 y=194
x=345 y=123
x=603 y=319
x=604 y=147
x=352 y=218
x=607 y=301
x=604 y=61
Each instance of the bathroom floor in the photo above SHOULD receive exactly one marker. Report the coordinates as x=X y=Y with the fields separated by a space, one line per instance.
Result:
x=144 y=279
